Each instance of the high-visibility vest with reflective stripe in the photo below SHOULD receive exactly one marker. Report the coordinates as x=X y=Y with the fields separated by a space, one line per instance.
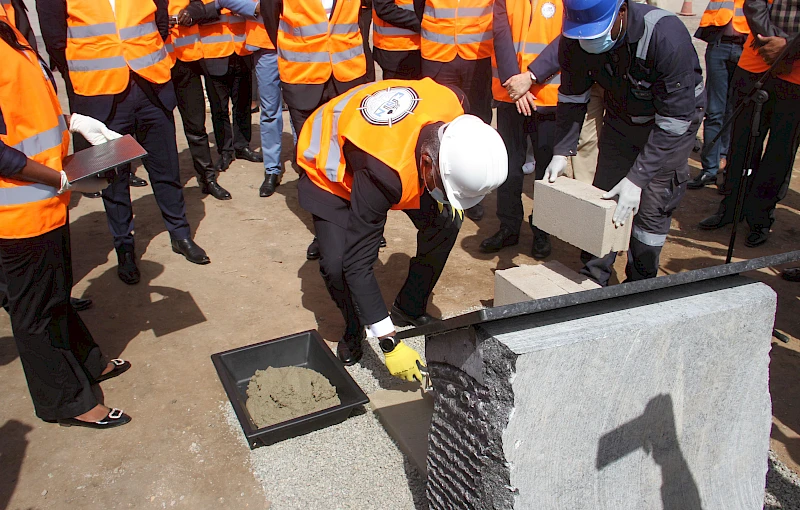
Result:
x=184 y=42
x=311 y=47
x=531 y=33
x=224 y=37
x=454 y=27
x=384 y=120
x=719 y=13
x=103 y=47
x=35 y=126
x=752 y=61
x=389 y=37
x=257 y=38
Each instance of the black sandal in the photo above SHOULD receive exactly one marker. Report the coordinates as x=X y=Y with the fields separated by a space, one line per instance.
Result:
x=120 y=366
x=114 y=418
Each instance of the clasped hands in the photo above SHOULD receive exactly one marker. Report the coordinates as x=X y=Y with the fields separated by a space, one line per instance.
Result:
x=518 y=87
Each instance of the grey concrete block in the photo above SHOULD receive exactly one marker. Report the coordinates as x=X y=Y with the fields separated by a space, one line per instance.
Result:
x=576 y=213
x=658 y=400
x=525 y=283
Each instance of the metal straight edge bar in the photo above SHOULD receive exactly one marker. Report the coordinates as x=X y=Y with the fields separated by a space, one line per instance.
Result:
x=590 y=296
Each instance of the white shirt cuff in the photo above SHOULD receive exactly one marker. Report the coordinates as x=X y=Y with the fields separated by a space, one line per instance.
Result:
x=381 y=328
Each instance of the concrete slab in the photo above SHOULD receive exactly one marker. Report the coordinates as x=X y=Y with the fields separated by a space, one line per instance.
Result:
x=576 y=213
x=405 y=412
x=653 y=401
x=524 y=283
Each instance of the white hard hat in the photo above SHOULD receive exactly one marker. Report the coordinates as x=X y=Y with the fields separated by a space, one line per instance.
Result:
x=472 y=161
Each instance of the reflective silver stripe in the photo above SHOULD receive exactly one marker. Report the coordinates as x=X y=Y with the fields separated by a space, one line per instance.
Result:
x=344 y=28
x=170 y=48
x=392 y=31
x=474 y=38
x=305 y=31
x=672 y=125
x=577 y=99
x=138 y=30
x=250 y=47
x=213 y=39
x=699 y=88
x=406 y=7
x=648 y=238
x=437 y=38
x=43 y=141
x=316 y=131
x=97 y=64
x=529 y=47
x=473 y=12
x=303 y=57
x=715 y=6
x=738 y=12
x=642 y=119
x=334 y=151
x=439 y=12
x=650 y=20
x=79 y=32
x=148 y=60
x=342 y=56
x=186 y=40
x=19 y=195
x=239 y=38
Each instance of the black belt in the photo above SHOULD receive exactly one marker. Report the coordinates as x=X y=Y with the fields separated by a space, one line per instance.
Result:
x=734 y=39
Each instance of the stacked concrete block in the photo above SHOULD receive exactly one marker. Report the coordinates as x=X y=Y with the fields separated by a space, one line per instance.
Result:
x=658 y=400
x=525 y=283
x=576 y=213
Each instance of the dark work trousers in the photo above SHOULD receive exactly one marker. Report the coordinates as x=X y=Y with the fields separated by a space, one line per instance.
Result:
x=515 y=129
x=154 y=128
x=236 y=87
x=399 y=65
x=187 y=79
x=58 y=354
x=436 y=235
x=619 y=145
x=299 y=117
x=772 y=167
x=474 y=77
x=364 y=24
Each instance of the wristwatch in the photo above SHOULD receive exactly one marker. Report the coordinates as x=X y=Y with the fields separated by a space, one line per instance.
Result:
x=533 y=77
x=388 y=344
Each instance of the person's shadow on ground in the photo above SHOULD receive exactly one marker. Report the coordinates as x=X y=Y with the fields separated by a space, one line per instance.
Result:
x=12 y=455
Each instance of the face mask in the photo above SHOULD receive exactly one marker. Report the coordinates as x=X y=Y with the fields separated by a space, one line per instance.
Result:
x=598 y=45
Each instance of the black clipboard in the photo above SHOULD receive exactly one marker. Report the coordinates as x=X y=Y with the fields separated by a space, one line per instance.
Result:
x=101 y=158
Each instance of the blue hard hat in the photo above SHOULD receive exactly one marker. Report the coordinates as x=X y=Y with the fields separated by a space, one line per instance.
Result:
x=589 y=19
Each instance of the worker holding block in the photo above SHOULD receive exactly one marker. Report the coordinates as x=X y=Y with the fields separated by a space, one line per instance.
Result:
x=644 y=59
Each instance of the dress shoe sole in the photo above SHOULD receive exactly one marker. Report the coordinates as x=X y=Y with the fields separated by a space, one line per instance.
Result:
x=200 y=262
x=539 y=255
x=218 y=197
x=133 y=280
x=758 y=243
x=495 y=249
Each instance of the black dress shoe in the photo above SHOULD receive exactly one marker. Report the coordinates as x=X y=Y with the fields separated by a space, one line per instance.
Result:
x=92 y=195
x=702 y=180
x=271 y=181
x=189 y=249
x=504 y=237
x=137 y=182
x=80 y=305
x=120 y=366
x=215 y=190
x=541 y=245
x=715 y=221
x=475 y=213
x=350 y=350
x=249 y=154
x=791 y=274
x=114 y=418
x=401 y=318
x=312 y=252
x=382 y=244
x=126 y=268
x=758 y=235
x=224 y=162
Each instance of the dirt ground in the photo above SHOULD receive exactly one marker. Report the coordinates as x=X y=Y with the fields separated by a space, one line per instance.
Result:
x=178 y=451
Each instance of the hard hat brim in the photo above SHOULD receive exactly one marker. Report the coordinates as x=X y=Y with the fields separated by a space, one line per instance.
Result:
x=600 y=28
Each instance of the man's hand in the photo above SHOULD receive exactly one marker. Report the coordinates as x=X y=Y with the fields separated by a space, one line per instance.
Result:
x=402 y=362
x=184 y=18
x=628 y=204
x=93 y=130
x=772 y=47
x=556 y=167
x=526 y=105
x=517 y=85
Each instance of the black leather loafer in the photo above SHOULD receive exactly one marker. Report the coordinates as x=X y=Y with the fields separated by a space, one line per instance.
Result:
x=702 y=180
x=126 y=268
x=791 y=274
x=504 y=237
x=215 y=190
x=715 y=221
x=137 y=182
x=225 y=160
x=80 y=305
x=114 y=418
x=350 y=350
x=312 y=252
x=271 y=181
x=541 y=244
x=382 y=244
x=475 y=213
x=758 y=235
x=401 y=318
x=249 y=154
x=120 y=367
x=189 y=249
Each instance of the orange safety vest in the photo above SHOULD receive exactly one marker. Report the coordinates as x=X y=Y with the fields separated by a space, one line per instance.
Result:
x=225 y=36
x=311 y=47
x=751 y=61
x=720 y=13
x=103 y=48
x=391 y=38
x=453 y=27
x=8 y=12
x=383 y=119
x=531 y=33
x=184 y=42
x=34 y=125
x=257 y=38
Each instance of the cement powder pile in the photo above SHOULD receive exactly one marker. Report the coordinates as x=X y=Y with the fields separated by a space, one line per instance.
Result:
x=276 y=395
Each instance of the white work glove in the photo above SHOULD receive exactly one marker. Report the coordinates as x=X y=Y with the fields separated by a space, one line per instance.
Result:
x=88 y=185
x=95 y=132
x=628 y=204
x=556 y=167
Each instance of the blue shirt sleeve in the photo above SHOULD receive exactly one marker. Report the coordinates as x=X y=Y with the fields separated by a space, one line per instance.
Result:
x=240 y=7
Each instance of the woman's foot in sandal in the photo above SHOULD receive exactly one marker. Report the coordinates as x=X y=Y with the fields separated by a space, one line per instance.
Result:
x=99 y=417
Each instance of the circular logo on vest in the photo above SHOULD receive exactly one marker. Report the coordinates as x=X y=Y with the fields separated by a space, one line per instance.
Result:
x=390 y=106
x=548 y=10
